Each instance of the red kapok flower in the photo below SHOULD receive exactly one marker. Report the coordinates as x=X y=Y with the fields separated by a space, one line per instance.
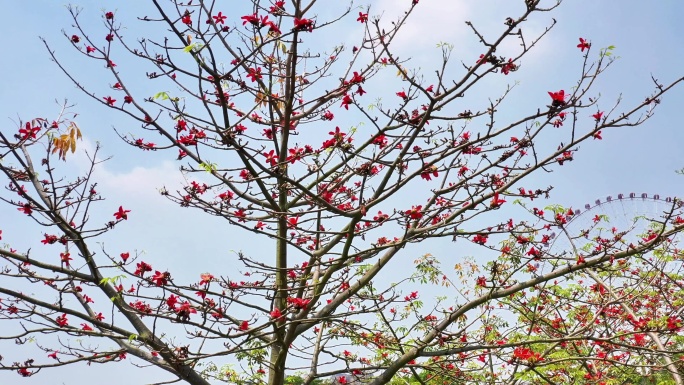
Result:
x=414 y=212
x=276 y=313
x=244 y=325
x=220 y=18
x=303 y=24
x=480 y=239
x=496 y=201
x=327 y=115
x=252 y=19
x=206 y=278
x=598 y=115
x=62 y=321
x=558 y=97
x=507 y=68
x=429 y=172
x=121 y=214
x=65 y=258
x=583 y=44
x=254 y=73
x=26 y=208
x=142 y=268
x=346 y=101
x=159 y=278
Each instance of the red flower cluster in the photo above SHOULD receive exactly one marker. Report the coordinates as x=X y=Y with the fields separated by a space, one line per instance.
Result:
x=526 y=354
x=303 y=25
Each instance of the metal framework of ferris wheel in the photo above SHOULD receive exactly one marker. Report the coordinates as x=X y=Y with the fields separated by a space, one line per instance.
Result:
x=637 y=201
x=632 y=210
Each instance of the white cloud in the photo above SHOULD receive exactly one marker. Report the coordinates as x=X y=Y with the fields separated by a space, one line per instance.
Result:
x=142 y=182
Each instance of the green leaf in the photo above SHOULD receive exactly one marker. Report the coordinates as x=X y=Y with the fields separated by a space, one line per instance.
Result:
x=208 y=167
x=607 y=51
x=193 y=46
x=161 y=95
x=112 y=280
x=557 y=209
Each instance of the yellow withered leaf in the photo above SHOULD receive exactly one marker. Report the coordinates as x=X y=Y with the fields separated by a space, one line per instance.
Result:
x=66 y=142
x=400 y=72
x=261 y=99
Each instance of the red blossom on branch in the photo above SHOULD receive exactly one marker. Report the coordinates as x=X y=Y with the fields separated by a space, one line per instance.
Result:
x=303 y=24
x=121 y=214
x=496 y=202
x=558 y=97
x=597 y=116
x=415 y=212
x=583 y=44
x=219 y=18
x=254 y=73
x=346 y=101
x=142 y=268
x=62 y=321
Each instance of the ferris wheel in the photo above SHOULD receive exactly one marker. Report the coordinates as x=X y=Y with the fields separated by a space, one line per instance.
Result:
x=632 y=213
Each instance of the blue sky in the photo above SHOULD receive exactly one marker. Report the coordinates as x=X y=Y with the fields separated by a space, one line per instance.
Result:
x=647 y=37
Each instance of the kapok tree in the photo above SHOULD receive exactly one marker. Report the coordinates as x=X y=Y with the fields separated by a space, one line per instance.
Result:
x=265 y=127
